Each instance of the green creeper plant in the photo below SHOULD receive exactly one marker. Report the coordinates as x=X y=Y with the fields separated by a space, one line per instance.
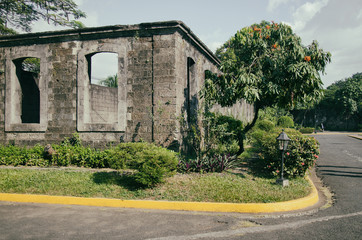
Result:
x=267 y=65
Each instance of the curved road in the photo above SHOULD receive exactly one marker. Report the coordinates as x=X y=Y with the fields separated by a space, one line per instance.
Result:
x=339 y=166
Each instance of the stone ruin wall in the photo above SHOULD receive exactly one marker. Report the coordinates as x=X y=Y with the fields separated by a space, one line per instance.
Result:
x=161 y=68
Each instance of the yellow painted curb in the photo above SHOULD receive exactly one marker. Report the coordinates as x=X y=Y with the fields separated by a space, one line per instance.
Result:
x=291 y=205
x=356 y=136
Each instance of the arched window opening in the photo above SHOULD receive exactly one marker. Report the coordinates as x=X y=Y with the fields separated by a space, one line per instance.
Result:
x=190 y=100
x=27 y=73
x=103 y=68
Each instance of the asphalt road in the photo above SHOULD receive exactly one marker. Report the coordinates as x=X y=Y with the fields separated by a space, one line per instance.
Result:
x=339 y=166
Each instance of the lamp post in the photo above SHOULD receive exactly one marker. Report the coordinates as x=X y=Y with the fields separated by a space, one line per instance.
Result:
x=283 y=140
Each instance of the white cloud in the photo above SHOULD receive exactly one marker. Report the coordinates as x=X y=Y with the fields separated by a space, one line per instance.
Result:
x=345 y=46
x=214 y=39
x=359 y=16
x=215 y=45
x=273 y=4
x=78 y=2
x=306 y=12
x=103 y=66
x=341 y=38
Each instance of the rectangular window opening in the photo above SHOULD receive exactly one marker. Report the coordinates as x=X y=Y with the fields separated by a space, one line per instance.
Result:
x=27 y=73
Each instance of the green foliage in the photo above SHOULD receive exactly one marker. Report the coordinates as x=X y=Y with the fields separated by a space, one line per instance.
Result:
x=150 y=162
x=300 y=156
x=74 y=140
x=110 y=81
x=306 y=130
x=214 y=147
x=31 y=65
x=222 y=134
x=265 y=125
x=286 y=122
x=153 y=164
x=14 y=155
x=359 y=127
x=79 y=156
x=267 y=65
x=340 y=109
x=215 y=163
x=273 y=114
x=349 y=95
x=21 y=14
x=217 y=134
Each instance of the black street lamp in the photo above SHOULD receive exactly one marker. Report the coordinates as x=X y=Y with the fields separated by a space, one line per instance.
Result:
x=283 y=140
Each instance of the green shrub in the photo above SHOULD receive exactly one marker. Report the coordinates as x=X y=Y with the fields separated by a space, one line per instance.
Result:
x=224 y=149
x=153 y=164
x=222 y=134
x=113 y=158
x=35 y=157
x=285 y=122
x=301 y=154
x=306 y=130
x=255 y=137
x=231 y=128
x=15 y=155
x=130 y=152
x=265 y=125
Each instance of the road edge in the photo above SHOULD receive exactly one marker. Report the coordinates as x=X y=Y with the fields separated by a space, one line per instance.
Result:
x=292 y=205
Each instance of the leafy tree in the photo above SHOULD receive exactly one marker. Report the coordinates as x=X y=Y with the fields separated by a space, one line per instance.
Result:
x=267 y=65
x=350 y=95
x=20 y=14
x=340 y=109
x=110 y=81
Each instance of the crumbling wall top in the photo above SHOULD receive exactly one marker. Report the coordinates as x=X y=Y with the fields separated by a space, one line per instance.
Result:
x=114 y=31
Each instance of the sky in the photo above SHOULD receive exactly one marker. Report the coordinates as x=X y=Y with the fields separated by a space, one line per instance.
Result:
x=335 y=24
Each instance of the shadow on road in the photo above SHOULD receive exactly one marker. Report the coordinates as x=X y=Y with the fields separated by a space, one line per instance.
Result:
x=329 y=166
x=341 y=171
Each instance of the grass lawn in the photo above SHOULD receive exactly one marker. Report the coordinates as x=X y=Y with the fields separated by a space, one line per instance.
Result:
x=235 y=187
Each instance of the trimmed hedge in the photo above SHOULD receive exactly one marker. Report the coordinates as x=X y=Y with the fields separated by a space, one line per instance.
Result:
x=306 y=130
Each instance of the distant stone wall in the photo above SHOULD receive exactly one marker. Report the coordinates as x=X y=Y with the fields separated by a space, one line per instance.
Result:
x=161 y=69
x=103 y=103
x=240 y=110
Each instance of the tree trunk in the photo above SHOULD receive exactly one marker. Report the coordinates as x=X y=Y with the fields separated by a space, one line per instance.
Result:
x=249 y=126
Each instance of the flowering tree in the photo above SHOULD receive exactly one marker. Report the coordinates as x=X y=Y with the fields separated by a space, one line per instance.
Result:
x=267 y=65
